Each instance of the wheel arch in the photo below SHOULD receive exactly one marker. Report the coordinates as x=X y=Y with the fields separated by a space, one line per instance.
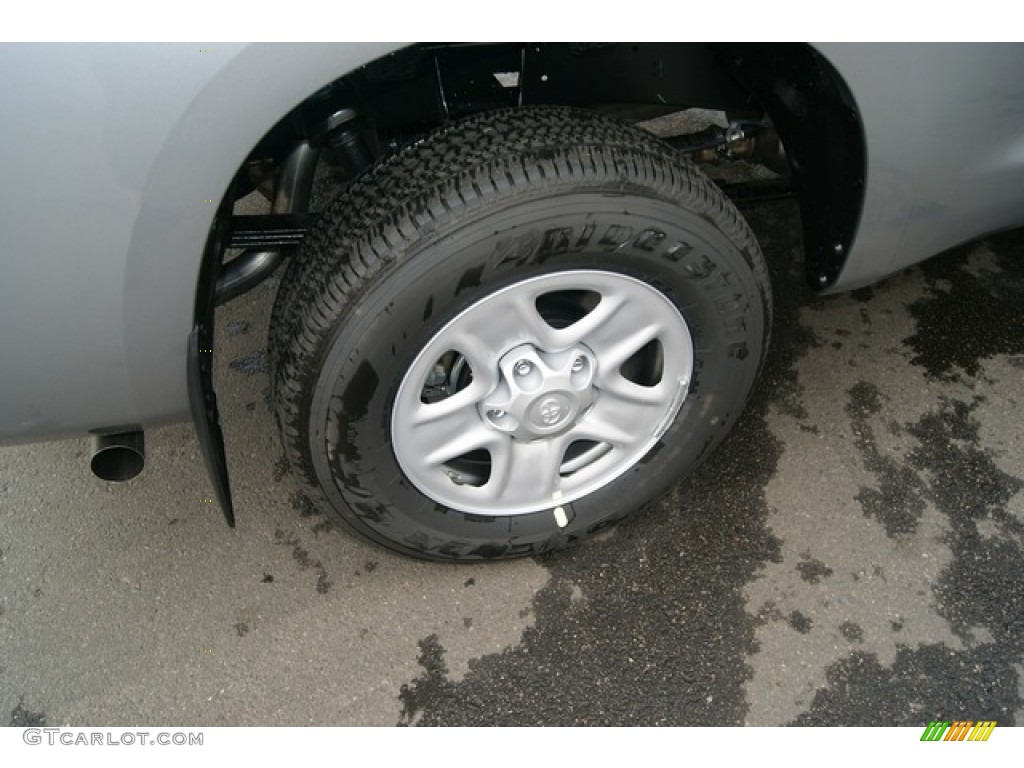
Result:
x=231 y=102
x=405 y=90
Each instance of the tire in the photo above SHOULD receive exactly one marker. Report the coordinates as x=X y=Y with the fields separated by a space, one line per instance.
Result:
x=514 y=333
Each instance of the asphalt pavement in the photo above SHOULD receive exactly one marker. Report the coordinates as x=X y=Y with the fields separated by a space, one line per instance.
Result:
x=852 y=555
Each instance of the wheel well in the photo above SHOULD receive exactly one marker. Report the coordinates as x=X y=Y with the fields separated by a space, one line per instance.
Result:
x=381 y=106
x=411 y=91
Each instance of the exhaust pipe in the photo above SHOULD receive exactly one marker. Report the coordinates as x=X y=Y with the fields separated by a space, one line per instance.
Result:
x=117 y=458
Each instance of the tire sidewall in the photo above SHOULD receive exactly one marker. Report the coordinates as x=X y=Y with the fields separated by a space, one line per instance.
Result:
x=465 y=258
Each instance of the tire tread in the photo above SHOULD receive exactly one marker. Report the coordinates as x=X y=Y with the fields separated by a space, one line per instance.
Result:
x=459 y=170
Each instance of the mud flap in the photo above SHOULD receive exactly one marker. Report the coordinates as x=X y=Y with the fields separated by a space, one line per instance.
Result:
x=199 y=368
x=203 y=402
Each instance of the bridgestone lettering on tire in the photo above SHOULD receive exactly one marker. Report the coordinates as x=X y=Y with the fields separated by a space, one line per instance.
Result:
x=514 y=333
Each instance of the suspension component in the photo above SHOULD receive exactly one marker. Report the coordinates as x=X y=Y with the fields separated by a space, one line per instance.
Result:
x=266 y=236
x=741 y=140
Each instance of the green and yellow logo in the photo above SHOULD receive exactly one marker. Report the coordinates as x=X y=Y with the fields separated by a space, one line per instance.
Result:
x=959 y=730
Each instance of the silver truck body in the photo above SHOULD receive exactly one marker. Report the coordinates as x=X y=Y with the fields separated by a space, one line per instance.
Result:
x=117 y=156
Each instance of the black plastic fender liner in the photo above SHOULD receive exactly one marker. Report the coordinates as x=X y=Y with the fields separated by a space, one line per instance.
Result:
x=820 y=126
x=199 y=367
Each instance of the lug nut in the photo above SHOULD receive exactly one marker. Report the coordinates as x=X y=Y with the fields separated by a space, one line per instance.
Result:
x=577 y=364
x=523 y=368
x=496 y=413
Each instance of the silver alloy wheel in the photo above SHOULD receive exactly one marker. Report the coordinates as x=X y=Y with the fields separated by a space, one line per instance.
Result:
x=542 y=392
x=485 y=349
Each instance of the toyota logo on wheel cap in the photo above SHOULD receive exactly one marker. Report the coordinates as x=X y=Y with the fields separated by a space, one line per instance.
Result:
x=550 y=411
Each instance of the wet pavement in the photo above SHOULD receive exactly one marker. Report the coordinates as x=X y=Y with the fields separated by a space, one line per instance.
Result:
x=851 y=555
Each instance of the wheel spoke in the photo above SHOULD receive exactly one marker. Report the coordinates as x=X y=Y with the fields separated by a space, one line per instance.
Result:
x=524 y=313
x=607 y=308
x=481 y=359
x=614 y=353
x=526 y=470
x=512 y=320
x=440 y=432
x=464 y=399
x=626 y=326
x=535 y=389
x=615 y=417
x=600 y=428
x=629 y=396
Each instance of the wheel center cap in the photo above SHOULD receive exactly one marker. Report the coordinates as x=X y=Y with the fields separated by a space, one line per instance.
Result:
x=551 y=410
x=539 y=394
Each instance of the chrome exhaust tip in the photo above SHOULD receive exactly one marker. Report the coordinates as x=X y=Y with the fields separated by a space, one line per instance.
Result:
x=118 y=458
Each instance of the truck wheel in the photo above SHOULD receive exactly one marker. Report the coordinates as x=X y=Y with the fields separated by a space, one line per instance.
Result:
x=514 y=333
